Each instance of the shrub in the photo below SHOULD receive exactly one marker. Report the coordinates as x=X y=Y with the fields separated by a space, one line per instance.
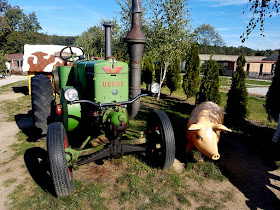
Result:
x=191 y=79
x=237 y=102
x=272 y=97
x=210 y=85
x=173 y=77
x=148 y=70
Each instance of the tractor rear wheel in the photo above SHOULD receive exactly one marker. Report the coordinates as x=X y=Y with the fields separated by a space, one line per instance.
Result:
x=160 y=140
x=42 y=100
x=61 y=174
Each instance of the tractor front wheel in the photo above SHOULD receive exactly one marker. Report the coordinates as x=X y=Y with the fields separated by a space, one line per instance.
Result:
x=160 y=140
x=61 y=174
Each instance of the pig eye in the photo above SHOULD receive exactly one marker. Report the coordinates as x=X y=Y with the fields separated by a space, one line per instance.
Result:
x=198 y=137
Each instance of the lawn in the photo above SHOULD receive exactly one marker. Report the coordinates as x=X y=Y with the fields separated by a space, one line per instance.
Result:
x=129 y=182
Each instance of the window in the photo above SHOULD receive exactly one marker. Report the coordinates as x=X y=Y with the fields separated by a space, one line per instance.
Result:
x=248 y=68
x=261 y=70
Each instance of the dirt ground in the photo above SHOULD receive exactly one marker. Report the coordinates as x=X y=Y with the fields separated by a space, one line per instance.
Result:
x=253 y=177
x=13 y=170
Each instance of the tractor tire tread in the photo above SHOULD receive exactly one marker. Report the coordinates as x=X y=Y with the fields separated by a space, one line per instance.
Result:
x=42 y=98
x=169 y=138
x=63 y=185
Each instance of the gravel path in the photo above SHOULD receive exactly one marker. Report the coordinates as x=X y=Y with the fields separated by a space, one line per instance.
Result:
x=12 y=79
x=258 y=90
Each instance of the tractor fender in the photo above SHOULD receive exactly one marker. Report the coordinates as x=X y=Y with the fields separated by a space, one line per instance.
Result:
x=71 y=113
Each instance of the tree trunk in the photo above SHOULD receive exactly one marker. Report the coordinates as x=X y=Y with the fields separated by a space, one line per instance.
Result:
x=162 y=77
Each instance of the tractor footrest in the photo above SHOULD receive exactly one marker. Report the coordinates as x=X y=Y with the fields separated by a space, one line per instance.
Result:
x=96 y=156
x=111 y=151
x=131 y=148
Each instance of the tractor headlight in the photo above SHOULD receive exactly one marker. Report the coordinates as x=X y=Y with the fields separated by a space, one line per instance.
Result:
x=71 y=94
x=154 y=87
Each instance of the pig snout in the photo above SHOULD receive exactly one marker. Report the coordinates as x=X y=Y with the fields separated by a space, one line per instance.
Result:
x=216 y=157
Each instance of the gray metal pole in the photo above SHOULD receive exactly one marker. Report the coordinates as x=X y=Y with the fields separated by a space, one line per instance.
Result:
x=136 y=40
x=108 y=35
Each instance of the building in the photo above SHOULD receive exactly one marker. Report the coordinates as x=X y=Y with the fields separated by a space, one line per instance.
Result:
x=15 y=62
x=259 y=67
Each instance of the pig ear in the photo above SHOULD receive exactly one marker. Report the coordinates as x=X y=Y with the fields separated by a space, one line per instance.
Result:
x=195 y=127
x=221 y=127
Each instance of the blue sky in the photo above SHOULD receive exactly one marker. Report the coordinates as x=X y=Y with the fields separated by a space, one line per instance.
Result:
x=71 y=18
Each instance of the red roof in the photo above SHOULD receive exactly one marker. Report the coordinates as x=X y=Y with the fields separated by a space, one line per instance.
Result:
x=14 y=56
x=254 y=61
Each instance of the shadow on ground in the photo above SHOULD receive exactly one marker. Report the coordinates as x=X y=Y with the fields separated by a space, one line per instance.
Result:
x=36 y=160
x=249 y=158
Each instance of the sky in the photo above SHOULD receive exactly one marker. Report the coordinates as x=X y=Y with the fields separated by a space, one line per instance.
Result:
x=72 y=18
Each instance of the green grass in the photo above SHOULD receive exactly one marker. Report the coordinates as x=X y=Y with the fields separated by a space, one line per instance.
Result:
x=12 y=108
x=226 y=81
x=134 y=185
x=9 y=182
x=8 y=87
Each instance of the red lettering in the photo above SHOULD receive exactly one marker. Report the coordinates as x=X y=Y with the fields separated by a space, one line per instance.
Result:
x=112 y=84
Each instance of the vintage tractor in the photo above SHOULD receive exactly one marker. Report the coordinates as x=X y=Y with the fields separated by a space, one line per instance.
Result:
x=98 y=98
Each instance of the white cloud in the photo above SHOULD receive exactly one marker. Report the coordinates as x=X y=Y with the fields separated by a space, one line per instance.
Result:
x=41 y=8
x=221 y=3
x=223 y=29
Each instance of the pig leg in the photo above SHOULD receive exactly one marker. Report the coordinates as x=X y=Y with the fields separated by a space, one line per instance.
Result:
x=189 y=146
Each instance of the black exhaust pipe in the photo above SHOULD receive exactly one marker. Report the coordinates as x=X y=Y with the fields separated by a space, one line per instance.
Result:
x=136 y=40
x=108 y=35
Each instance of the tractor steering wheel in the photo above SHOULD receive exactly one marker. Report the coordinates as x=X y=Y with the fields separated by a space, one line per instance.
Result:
x=67 y=58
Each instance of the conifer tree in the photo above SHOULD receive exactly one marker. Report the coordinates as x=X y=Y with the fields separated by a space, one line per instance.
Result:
x=237 y=102
x=210 y=85
x=173 y=76
x=148 y=71
x=272 y=97
x=3 y=60
x=191 y=79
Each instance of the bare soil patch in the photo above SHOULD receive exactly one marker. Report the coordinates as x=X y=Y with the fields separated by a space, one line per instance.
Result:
x=12 y=172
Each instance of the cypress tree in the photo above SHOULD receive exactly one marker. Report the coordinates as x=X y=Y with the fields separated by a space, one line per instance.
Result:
x=3 y=60
x=173 y=76
x=237 y=102
x=148 y=71
x=191 y=79
x=210 y=85
x=272 y=97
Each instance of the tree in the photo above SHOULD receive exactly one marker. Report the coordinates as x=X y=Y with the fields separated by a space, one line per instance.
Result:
x=237 y=102
x=210 y=85
x=3 y=61
x=148 y=71
x=207 y=35
x=260 y=9
x=272 y=96
x=191 y=79
x=173 y=77
x=168 y=32
x=93 y=40
x=13 y=23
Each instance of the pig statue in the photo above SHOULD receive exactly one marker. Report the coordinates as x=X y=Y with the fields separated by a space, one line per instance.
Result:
x=204 y=127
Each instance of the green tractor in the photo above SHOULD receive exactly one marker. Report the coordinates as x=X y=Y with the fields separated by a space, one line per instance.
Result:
x=98 y=98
